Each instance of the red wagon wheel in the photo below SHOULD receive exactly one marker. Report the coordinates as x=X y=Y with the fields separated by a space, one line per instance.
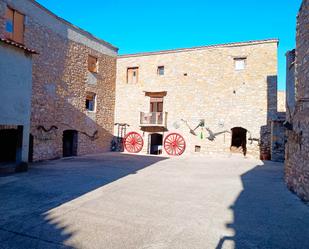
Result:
x=133 y=142
x=174 y=144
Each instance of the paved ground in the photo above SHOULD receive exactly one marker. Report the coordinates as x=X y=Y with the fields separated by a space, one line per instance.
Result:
x=123 y=201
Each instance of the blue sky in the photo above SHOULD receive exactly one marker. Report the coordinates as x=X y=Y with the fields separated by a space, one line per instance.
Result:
x=150 y=25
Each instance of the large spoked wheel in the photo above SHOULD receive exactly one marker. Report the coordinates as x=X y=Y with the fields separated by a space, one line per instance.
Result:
x=174 y=144
x=133 y=142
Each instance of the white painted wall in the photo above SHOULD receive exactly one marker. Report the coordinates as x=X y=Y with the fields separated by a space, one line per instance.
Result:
x=16 y=90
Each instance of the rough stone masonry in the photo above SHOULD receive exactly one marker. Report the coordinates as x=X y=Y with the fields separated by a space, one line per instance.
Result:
x=61 y=82
x=202 y=83
x=297 y=148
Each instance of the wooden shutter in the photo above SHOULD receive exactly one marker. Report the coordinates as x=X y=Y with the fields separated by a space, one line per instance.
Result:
x=9 y=17
x=92 y=64
x=132 y=75
x=18 y=34
x=160 y=107
x=129 y=75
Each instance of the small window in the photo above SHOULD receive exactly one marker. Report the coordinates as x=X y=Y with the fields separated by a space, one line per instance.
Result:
x=92 y=64
x=14 y=25
x=91 y=102
x=132 y=75
x=197 y=148
x=160 y=70
x=240 y=63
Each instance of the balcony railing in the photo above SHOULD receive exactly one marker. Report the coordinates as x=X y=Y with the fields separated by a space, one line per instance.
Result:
x=153 y=119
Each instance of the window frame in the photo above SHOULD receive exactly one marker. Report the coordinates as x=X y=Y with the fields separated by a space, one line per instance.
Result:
x=17 y=34
x=95 y=69
x=159 y=68
x=134 y=70
x=238 y=59
x=94 y=99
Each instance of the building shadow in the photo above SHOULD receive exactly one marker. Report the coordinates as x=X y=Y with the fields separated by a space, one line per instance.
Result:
x=266 y=214
x=272 y=114
x=61 y=83
x=27 y=198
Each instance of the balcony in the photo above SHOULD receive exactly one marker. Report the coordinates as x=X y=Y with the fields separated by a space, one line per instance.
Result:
x=153 y=119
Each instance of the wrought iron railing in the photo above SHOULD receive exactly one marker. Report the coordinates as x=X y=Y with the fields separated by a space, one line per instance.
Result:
x=153 y=119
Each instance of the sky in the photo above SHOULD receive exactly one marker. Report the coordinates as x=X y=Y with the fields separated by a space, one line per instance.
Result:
x=151 y=25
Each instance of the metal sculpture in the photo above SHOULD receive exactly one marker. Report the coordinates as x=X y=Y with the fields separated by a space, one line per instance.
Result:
x=192 y=131
x=212 y=135
x=174 y=144
x=133 y=142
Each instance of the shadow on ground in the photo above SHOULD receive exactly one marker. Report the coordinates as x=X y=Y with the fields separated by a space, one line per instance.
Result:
x=266 y=217
x=26 y=198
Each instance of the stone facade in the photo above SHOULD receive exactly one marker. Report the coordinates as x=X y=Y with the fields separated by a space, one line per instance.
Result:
x=297 y=149
x=290 y=84
x=202 y=84
x=61 y=81
x=278 y=140
x=278 y=137
x=282 y=101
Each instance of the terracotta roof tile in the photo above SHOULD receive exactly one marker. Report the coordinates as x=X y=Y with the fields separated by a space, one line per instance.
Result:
x=17 y=45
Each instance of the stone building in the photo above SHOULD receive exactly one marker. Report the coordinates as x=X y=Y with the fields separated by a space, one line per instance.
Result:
x=74 y=78
x=15 y=101
x=282 y=102
x=297 y=148
x=278 y=137
x=290 y=84
x=218 y=98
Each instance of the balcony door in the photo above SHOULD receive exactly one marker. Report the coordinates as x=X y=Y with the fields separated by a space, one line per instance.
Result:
x=156 y=104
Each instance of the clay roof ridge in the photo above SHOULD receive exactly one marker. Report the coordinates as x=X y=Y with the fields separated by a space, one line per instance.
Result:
x=17 y=45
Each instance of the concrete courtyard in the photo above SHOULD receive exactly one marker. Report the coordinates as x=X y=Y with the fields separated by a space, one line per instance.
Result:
x=124 y=201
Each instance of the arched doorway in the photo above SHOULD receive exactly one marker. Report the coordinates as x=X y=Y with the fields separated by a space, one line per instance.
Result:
x=155 y=143
x=239 y=140
x=70 y=142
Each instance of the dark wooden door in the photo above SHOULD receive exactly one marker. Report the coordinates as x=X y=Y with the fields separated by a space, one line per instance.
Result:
x=70 y=141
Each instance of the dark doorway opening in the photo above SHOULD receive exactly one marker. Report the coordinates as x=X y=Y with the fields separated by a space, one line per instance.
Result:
x=70 y=141
x=156 y=142
x=239 y=140
x=8 y=145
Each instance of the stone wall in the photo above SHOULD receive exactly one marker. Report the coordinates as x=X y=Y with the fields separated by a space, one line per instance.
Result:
x=297 y=149
x=278 y=140
x=278 y=136
x=290 y=84
x=202 y=83
x=281 y=101
x=60 y=82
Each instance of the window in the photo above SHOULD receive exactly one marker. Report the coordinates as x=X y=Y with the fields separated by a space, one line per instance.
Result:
x=132 y=75
x=92 y=64
x=14 y=25
x=240 y=63
x=197 y=148
x=156 y=104
x=91 y=102
x=160 y=70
